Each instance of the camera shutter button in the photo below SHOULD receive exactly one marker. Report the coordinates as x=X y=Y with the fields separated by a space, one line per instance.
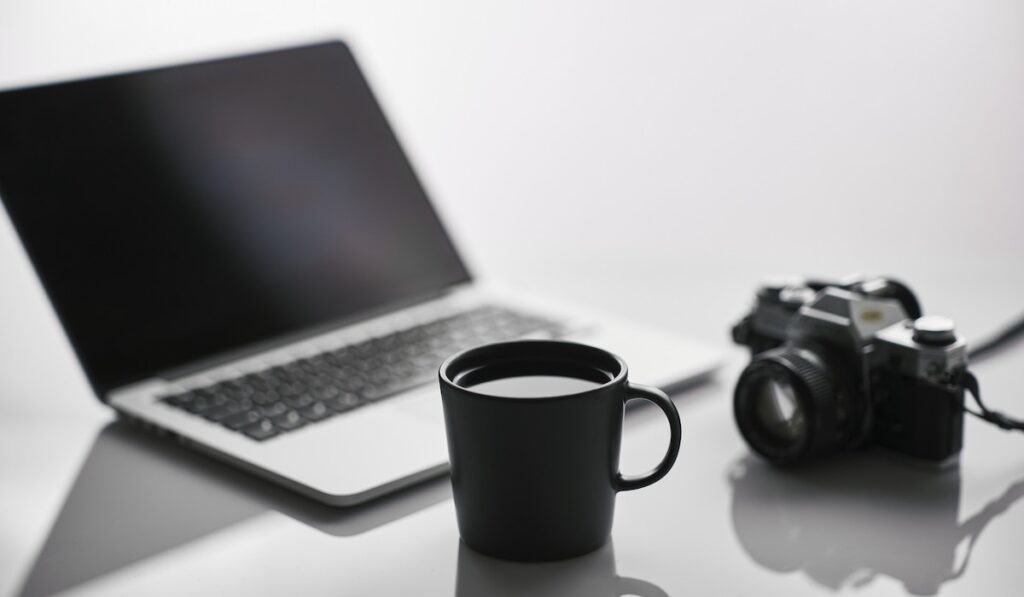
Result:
x=934 y=330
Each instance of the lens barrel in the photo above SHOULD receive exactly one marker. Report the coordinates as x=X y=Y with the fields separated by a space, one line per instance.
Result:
x=786 y=405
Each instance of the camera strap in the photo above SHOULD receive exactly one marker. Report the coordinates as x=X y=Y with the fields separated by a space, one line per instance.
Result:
x=985 y=413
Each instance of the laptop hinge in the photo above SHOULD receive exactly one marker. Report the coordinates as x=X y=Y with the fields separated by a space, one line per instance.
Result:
x=306 y=334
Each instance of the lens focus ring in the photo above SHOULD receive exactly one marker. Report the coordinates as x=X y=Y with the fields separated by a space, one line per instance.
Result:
x=809 y=371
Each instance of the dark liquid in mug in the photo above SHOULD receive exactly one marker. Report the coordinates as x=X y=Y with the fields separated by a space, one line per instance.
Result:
x=534 y=386
x=533 y=379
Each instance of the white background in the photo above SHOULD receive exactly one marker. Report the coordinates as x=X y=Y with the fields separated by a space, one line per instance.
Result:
x=654 y=159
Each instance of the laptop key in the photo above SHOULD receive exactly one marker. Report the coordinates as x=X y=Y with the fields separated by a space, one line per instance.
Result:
x=240 y=420
x=274 y=409
x=353 y=382
x=316 y=412
x=343 y=403
x=184 y=400
x=327 y=392
x=254 y=380
x=381 y=376
x=198 y=405
x=262 y=430
x=218 y=399
x=299 y=401
x=219 y=413
x=395 y=386
x=289 y=421
x=291 y=388
x=264 y=397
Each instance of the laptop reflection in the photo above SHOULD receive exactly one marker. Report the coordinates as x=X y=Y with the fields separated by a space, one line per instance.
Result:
x=137 y=496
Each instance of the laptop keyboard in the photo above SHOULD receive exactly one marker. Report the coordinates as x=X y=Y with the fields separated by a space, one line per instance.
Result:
x=287 y=397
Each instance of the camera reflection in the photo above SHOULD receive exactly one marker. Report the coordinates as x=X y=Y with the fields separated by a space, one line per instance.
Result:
x=865 y=516
x=588 y=575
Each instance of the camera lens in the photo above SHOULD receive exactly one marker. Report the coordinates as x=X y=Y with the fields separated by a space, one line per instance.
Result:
x=778 y=410
x=789 y=406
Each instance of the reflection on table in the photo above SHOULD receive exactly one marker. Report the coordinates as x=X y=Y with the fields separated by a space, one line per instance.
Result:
x=138 y=495
x=589 y=575
x=845 y=522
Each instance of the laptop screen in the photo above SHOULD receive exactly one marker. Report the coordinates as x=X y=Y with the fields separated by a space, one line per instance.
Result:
x=179 y=213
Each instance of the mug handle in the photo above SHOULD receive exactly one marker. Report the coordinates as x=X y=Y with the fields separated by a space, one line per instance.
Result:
x=634 y=391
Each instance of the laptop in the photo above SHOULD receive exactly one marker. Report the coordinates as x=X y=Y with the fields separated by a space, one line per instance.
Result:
x=243 y=259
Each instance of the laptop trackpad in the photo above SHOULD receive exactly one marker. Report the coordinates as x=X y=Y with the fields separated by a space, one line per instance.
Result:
x=422 y=404
x=371 y=446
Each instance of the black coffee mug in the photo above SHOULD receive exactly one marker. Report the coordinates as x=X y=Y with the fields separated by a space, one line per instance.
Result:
x=534 y=429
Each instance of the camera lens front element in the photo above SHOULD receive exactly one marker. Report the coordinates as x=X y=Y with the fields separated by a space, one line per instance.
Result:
x=778 y=410
x=786 y=407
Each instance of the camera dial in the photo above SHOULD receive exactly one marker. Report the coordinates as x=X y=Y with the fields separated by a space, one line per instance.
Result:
x=934 y=330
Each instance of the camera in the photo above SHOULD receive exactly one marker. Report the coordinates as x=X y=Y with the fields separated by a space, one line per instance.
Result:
x=845 y=364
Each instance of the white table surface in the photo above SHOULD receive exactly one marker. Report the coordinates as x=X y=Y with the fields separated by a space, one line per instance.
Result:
x=586 y=150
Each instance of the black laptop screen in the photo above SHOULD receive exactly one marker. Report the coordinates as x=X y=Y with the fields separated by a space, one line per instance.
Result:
x=179 y=213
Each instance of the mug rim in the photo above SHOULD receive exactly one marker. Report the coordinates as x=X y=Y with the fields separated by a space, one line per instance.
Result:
x=446 y=379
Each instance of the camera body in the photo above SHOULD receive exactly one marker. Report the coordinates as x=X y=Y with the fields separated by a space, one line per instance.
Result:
x=840 y=365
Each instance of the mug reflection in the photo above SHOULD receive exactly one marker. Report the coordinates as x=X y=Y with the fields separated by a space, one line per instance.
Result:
x=588 y=575
x=845 y=524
